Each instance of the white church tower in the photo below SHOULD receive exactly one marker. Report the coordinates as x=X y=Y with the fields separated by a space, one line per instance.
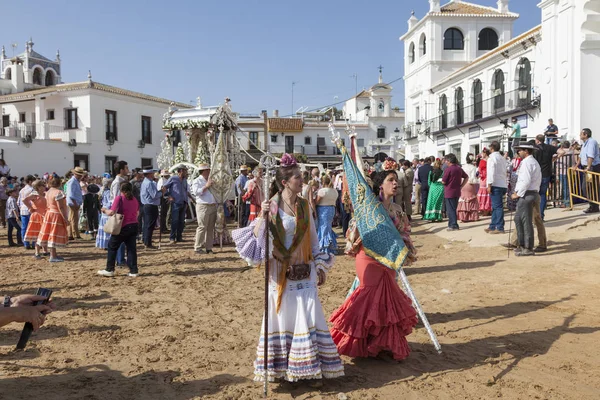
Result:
x=30 y=69
x=446 y=39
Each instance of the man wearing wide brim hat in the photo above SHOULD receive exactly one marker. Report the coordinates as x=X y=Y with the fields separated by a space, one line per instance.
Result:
x=177 y=189
x=150 y=198
x=74 y=201
x=240 y=190
x=206 y=210
x=527 y=196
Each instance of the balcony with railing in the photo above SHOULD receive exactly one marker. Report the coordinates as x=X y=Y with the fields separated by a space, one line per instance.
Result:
x=45 y=131
x=497 y=107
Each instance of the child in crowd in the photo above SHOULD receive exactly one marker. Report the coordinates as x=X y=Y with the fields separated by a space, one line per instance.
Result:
x=91 y=209
x=13 y=217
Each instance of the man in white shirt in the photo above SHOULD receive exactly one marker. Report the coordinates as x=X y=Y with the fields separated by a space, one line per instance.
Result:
x=497 y=186
x=206 y=210
x=527 y=193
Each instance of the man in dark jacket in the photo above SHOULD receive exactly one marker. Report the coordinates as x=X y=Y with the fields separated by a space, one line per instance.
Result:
x=544 y=157
x=423 y=172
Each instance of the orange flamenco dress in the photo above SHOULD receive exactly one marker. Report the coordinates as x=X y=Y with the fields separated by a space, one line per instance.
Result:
x=378 y=315
x=36 y=220
x=53 y=232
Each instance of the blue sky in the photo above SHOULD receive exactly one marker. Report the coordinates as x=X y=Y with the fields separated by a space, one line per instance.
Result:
x=249 y=50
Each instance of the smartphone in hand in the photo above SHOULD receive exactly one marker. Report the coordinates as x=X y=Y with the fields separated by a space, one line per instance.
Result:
x=28 y=328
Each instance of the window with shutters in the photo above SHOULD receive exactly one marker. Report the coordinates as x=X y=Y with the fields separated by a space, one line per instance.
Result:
x=147 y=129
x=71 y=118
x=111 y=124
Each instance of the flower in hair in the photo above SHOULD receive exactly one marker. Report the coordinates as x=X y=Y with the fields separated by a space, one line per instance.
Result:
x=390 y=164
x=288 y=160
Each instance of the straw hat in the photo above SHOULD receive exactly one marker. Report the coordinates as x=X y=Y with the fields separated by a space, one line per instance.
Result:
x=203 y=167
x=164 y=172
x=244 y=168
x=79 y=171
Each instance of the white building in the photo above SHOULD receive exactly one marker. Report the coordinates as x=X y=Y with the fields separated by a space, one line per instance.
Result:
x=377 y=122
x=51 y=126
x=466 y=74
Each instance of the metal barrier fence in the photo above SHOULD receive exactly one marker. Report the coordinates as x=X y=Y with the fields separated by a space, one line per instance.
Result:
x=584 y=185
x=558 y=192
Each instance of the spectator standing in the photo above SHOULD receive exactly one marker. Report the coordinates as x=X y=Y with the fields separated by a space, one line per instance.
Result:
x=468 y=206
x=483 y=197
x=150 y=200
x=416 y=164
x=564 y=161
x=206 y=211
x=454 y=179
x=516 y=133
x=423 y=175
x=590 y=161
x=240 y=184
x=3 y=199
x=126 y=205
x=326 y=198
x=4 y=169
x=496 y=187
x=409 y=176
x=527 y=193
x=91 y=209
x=12 y=217
x=136 y=184
x=74 y=201
x=551 y=131
x=544 y=156
x=177 y=190
x=53 y=233
x=24 y=211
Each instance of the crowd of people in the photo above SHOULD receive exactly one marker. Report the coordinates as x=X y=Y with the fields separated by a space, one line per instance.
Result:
x=298 y=215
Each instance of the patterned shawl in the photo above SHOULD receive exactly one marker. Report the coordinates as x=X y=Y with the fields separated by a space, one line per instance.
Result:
x=300 y=251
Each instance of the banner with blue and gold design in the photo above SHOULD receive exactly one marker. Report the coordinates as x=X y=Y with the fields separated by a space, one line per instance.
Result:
x=381 y=240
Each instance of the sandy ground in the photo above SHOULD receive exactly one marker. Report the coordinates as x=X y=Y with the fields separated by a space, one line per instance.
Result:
x=187 y=328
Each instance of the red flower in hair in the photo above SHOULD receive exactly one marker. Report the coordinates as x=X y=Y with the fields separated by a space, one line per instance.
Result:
x=390 y=164
x=288 y=160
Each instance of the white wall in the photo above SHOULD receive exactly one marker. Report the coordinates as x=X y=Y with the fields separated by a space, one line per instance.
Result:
x=53 y=155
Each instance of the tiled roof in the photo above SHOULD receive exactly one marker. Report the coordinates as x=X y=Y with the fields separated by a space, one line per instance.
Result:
x=506 y=46
x=461 y=8
x=285 y=124
x=67 y=87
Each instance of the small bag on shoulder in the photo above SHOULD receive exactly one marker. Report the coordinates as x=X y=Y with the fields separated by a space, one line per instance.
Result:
x=115 y=222
x=298 y=272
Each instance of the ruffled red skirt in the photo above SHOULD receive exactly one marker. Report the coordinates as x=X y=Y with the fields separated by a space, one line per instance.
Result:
x=376 y=317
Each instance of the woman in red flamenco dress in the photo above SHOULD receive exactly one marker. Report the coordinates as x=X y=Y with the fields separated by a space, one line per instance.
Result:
x=377 y=316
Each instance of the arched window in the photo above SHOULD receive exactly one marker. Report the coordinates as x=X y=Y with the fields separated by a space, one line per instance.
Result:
x=477 y=100
x=411 y=53
x=423 y=44
x=49 y=78
x=488 y=39
x=454 y=39
x=443 y=112
x=499 y=91
x=459 y=101
x=8 y=73
x=37 y=76
x=524 y=88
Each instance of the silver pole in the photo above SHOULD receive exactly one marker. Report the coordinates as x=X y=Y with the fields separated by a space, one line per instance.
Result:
x=420 y=311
